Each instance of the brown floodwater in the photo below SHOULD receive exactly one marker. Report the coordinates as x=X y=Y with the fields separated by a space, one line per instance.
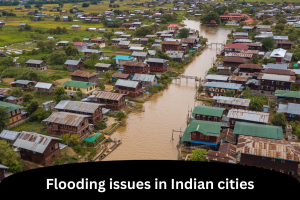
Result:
x=148 y=135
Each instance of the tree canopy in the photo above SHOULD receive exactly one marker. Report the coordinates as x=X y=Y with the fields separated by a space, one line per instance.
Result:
x=268 y=43
x=199 y=155
x=183 y=33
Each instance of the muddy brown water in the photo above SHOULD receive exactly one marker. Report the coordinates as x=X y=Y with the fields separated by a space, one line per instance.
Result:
x=147 y=135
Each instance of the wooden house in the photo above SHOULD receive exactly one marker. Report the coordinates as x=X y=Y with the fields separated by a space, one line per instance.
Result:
x=88 y=53
x=24 y=84
x=234 y=62
x=9 y=136
x=278 y=155
x=286 y=96
x=146 y=80
x=3 y=93
x=231 y=102
x=46 y=88
x=15 y=100
x=239 y=115
x=85 y=76
x=130 y=88
x=60 y=123
x=16 y=116
x=101 y=68
x=171 y=46
x=76 y=28
x=238 y=80
x=225 y=154
x=202 y=133
x=38 y=148
x=291 y=111
x=136 y=67
x=247 y=70
x=219 y=88
x=36 y=64
x=112 y=101
x=140 y=56
x=73 y=65
x=93 y=110
x=208 y=113
x=157 y=64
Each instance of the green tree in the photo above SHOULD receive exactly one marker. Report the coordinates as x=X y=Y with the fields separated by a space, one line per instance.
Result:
x=57 y=18
x=108 y=75
x=33 y=106
x=74 y=139
x=293 y=37
x=9 y=157
x=15 y=92
x=101 y=85
x=27 y=97
x=256 y=104
x=27 y=27
x=279 y=120
x=57 y=161
x=267 y=22
x=280 y=27
x=58 y=30
x=72 y=50
x=65 y=139
x=268 y=43
x=198 y=155
x=183 y=33
x=76 y=39
x=64 y=30
x=255 y=59
x=4 y=119
x=121 y=115
x=58 y=58
x=58 y=92
x=206 y=18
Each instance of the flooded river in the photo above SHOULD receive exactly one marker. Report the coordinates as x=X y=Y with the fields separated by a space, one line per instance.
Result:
x=148 y=135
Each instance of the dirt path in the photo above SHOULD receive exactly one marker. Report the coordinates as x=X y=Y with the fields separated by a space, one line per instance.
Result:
x=58 y=82
x=7 y=80
x=108 y=87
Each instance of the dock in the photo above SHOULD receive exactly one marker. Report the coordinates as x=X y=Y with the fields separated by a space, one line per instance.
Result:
x=108 y=151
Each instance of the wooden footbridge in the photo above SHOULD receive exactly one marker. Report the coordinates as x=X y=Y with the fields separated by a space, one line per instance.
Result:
x=215 y=43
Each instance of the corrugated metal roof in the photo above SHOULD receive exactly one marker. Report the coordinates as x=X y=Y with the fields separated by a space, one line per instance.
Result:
x=278 y=71
x=258 y=130
x=9 y=135
x=217 y=77
x=127 y=83
x=278 y=53
x=143 y=54
x=156 y=60
x=34 y=61
x=107 y=95
x=243 y=55
x=33 y=141
x=3 y=91
x=238 y=78
x=290 y=108
x=287 y=93
x=275 y=66
x=208 y=110
x=83 y=74
x=65 y=118
x=72 y=62
x=232 y=101
x=249 y=115
x=240 y=33
x=280 y=149
x=78 y=106
x=43 y=85
x=276 y=77
x=280 y=37
x=233 y=86
x=102 y=65
x=22 y=82
x=175 y=54
x=143 y=77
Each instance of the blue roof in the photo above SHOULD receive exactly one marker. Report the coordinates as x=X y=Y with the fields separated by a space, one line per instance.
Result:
x=123 y=57
x=110 y=20
x=201 y=142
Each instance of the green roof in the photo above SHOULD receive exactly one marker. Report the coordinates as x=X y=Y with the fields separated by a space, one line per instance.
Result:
x=205 y=127
x=286 y=93
x=258 y=130
x=79 y=84
x=208 y=110
x=9 y=106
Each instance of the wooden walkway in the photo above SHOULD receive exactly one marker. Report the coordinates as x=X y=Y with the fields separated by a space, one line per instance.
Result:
x=108 y=151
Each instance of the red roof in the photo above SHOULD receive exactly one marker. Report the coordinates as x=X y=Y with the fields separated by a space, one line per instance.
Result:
x=121 y=75
x=79 y=43
x=174 y=25
x=236 y=46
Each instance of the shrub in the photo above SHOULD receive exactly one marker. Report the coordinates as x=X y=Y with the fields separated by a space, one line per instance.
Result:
x=100 y=125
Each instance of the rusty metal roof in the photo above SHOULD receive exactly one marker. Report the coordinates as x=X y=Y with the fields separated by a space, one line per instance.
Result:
x=78 y=106
x=65 y=118
x=249 y=115
x=33 y=141
x=107 y=95
x=276 y=77
x=9 y=135
x=250 y=51
x=83 y=74
x=226 y=153
x=238 y=78
x=235 y=59
x=137 y=64
x=242 y=55
x=253 y=44
x=250 y=66
x=278 y=71
x=232 y=100
x=3 y=91
x=279 y=149
x=188 y=40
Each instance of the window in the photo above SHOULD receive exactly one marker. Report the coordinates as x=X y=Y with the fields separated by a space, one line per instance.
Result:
x=203 y=117
x=206 y=137
x=201 y=136
x=282 y=171
x=51 y=149
x=53 y=156
x=193 y=135
x=291 y=173
x=232 y=122
x=277 y=82
x=56 y=145
x=263 y=158
x=282 y=83
x=82 y=124
x=282 y=161
x=215 y=119
x=273 y=159
x=272 y=82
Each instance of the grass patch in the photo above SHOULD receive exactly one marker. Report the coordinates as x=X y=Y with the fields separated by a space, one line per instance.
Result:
x=31 y=127
x=42 y=98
